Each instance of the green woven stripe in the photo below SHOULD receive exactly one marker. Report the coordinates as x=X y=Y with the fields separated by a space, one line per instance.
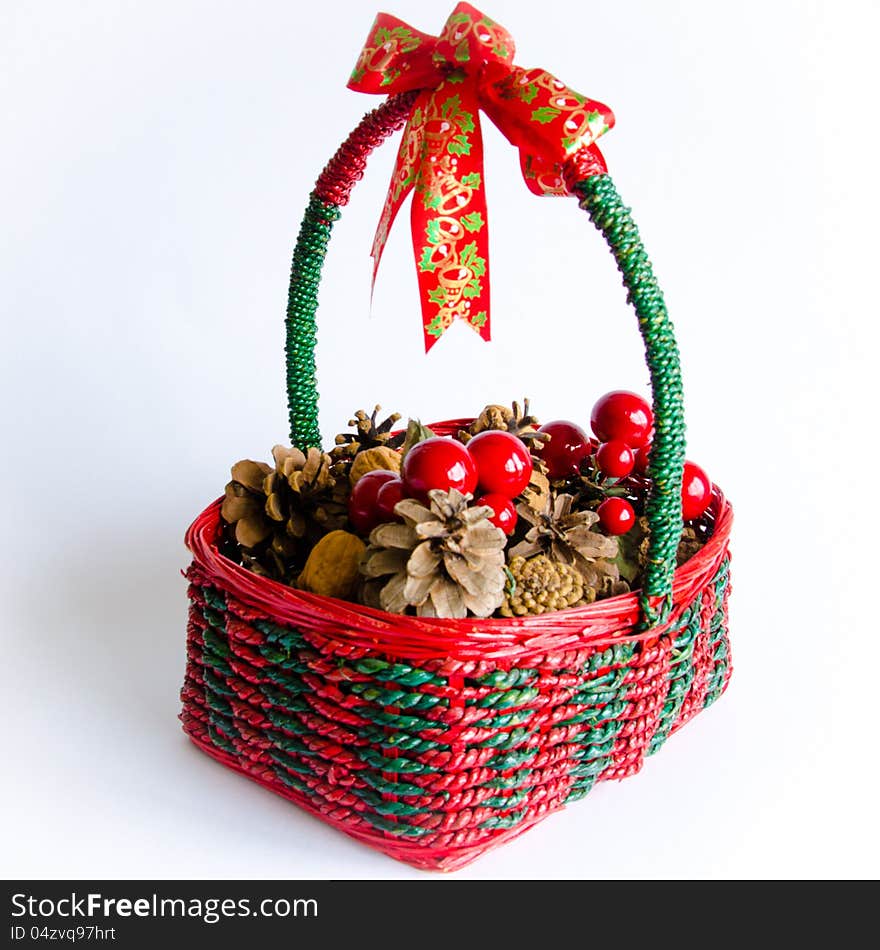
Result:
x=214 y=598
x=680 y=676
x=596 y=742
x=395 y=673
x=718 y=640
x=579 y=790
x=221 y=741
x=302 y=303
x=289 y=638
x=504 y=821
x=291 y=764
x=600 y=199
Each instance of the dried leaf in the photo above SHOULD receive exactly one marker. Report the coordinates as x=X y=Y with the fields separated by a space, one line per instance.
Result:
x=415 y=433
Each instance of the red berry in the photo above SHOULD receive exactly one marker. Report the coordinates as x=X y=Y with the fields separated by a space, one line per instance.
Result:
x=438 y=463
x=569 y=445
x=504 y=465
x=622 y=415
x=505 y=516
x=696 y=492
x=389 y=494
x=615 y=459
x=641 y=460
x=616 y=515
x=362 y=501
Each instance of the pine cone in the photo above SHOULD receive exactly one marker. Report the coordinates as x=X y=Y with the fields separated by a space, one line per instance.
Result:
x=693 y=537
x=368 y=434
x=279 y=513
x=518 y=422
x=566 y=536
x=445 y=561
x=539 y=585
x=537 y=494
x=691 y=542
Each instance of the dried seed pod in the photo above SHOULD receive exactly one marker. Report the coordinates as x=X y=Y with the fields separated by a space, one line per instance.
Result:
x=371 y=460
x=332 y=568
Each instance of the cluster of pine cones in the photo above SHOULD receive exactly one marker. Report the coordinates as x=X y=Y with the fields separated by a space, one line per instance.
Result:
x=289 y=521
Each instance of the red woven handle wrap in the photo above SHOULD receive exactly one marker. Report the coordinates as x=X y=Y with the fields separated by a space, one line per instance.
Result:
x=600 y=199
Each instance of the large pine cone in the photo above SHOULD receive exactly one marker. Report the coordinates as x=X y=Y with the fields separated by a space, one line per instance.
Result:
x=279 y=513
x=443 y=561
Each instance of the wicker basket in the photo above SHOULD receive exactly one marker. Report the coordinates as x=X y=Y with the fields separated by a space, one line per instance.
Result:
x=436 y=740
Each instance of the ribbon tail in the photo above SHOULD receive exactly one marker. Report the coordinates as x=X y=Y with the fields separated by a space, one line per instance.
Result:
x=448 y=215
x=403 y=179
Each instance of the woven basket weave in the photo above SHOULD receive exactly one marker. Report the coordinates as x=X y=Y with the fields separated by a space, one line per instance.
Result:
x=436 y=740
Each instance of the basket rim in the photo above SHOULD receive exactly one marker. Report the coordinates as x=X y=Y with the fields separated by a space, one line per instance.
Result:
x=606 y=621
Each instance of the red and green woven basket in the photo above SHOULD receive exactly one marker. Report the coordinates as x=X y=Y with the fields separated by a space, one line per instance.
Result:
x=436 y=740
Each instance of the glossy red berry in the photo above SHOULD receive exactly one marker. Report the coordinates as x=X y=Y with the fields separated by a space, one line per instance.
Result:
x=641 y=460
x=504 y=465
x=616 y=515
x=615 y=459
x=696 y=492
x=568 y=446
x=622 y=415
x=505 y=516
x=438 y=463
x=362 y=512
x=389 y=494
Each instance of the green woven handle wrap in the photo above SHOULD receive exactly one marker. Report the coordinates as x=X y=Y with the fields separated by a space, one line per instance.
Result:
x=599 y=198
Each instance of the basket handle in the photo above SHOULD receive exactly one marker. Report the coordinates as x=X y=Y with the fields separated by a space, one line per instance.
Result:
x=599 y=198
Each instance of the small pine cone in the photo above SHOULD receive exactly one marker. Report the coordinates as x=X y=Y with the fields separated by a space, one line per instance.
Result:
x=539 y=585
x=689 y=544
x=368 y=434
x=518 y=421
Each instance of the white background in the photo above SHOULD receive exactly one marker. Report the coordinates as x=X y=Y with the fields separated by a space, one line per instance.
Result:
x=155 y=162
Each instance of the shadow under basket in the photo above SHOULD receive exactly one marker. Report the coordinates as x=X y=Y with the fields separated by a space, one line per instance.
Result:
x=435 y=741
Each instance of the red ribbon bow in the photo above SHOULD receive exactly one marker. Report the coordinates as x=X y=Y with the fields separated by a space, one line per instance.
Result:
x=467 y=68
